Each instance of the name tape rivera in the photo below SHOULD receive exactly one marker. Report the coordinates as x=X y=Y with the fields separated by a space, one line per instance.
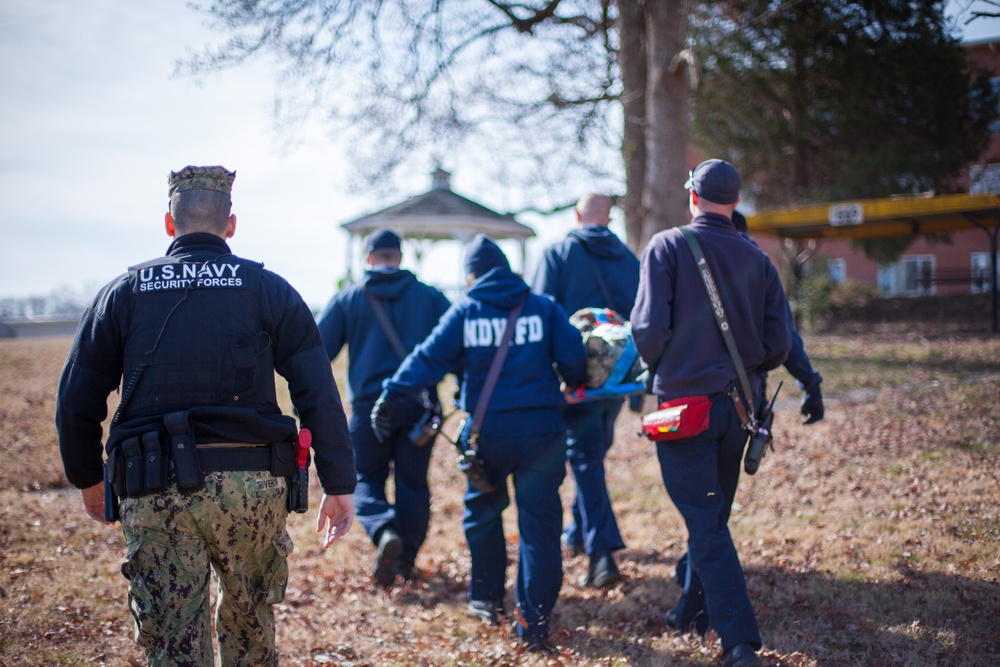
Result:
x=189 y=274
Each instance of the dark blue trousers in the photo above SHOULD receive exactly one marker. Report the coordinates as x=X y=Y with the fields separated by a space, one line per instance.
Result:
x=701 y=475
x=411 y=512
x=535 y=461
x=590 y=431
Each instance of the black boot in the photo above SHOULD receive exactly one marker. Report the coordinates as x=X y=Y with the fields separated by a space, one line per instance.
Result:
x=699 y=623
x=486 y=611
x=603 y=571
x=741 y=655
x=537 y=644
x=387 y=558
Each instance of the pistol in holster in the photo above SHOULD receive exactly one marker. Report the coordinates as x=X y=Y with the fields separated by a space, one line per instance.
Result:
x=298 y=482
x=298 y=492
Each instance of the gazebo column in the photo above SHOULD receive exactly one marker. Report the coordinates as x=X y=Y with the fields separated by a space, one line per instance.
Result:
x=350 y=259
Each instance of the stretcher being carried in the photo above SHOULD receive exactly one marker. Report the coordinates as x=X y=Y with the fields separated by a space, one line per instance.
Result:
x=614 y=368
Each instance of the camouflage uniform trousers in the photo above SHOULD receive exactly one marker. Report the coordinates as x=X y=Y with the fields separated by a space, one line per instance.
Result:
x=234 y=525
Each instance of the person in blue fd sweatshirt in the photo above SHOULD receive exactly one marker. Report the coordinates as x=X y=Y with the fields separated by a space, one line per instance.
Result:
x=676 y=333
x=591 y=268
x=413 y=309
x=522 y=435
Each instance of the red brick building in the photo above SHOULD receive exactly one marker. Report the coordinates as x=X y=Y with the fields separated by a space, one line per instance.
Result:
x=959 y=265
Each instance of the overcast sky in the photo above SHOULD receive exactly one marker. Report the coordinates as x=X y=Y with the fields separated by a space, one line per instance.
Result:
x=92 y=121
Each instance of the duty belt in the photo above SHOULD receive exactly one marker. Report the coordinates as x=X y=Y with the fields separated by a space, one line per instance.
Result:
x=230 y=456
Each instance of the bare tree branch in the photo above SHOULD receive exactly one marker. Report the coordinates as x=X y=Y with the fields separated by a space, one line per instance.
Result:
x=559 y=102
x=536 y=16
x=982 y=14
x=534 y=84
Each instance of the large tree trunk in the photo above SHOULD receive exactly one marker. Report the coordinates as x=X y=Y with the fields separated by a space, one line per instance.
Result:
x=664 y=199
x=632 y=60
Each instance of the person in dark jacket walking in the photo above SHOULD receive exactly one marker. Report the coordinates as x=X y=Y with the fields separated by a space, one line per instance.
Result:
x=675 y=331
x=413 y=309
x=522 y=435
x=797 y=363
x=591 y=268
x=199 y=452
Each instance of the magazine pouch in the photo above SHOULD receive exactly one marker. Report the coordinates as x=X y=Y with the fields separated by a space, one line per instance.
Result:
x=134 y=477
x=183 y=451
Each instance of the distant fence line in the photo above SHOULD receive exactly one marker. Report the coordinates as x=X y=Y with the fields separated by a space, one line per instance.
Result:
x=38 y=327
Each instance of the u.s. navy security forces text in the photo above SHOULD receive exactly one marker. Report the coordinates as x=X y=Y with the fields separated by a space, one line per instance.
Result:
x=483 y=332
x=183 y=276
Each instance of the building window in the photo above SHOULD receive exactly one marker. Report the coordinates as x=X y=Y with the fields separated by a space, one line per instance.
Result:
x=886 y=280
x=980 y=272
x=836 y=268
x=911 y=276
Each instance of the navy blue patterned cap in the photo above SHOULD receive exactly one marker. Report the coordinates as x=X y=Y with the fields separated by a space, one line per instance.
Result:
x=383 y=239
x=715 y=180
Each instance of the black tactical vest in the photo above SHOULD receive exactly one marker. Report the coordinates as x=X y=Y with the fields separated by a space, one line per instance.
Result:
x=195 y=326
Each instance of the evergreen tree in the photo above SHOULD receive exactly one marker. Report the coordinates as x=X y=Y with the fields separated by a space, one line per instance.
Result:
x=821 y=100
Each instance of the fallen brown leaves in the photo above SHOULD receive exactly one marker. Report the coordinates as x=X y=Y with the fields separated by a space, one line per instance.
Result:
x=870 y=538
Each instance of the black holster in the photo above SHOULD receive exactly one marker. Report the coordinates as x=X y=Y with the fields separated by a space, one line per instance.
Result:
x=111 y=473
x=283 y=464
x=183 y=451
x=298 y=491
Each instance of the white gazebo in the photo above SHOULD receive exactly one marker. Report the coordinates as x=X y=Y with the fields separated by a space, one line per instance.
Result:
x=436 y=215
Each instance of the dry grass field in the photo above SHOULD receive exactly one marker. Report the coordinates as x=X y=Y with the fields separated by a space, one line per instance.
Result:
x=870 y=538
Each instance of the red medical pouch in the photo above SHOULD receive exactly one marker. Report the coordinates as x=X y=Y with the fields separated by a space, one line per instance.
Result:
x=677 y=419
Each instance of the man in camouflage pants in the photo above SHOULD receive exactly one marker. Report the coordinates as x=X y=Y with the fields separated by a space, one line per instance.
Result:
x=169 y=536
x=198 y=451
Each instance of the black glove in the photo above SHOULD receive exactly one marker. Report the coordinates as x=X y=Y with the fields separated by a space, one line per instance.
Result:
x=812 y=405
x=381 y=416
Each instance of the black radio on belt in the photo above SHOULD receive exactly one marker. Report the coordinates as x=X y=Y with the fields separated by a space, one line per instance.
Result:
x=427 y=426
x=482 y=477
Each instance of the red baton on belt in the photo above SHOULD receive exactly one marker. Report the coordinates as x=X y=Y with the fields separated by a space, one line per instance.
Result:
x=299 y=499
x=302 y=453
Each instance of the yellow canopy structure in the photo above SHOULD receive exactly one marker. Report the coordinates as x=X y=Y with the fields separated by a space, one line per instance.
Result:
x=896 y=216
x=874 y=218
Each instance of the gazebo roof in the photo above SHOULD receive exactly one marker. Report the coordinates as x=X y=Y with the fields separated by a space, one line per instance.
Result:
x=440 y=215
